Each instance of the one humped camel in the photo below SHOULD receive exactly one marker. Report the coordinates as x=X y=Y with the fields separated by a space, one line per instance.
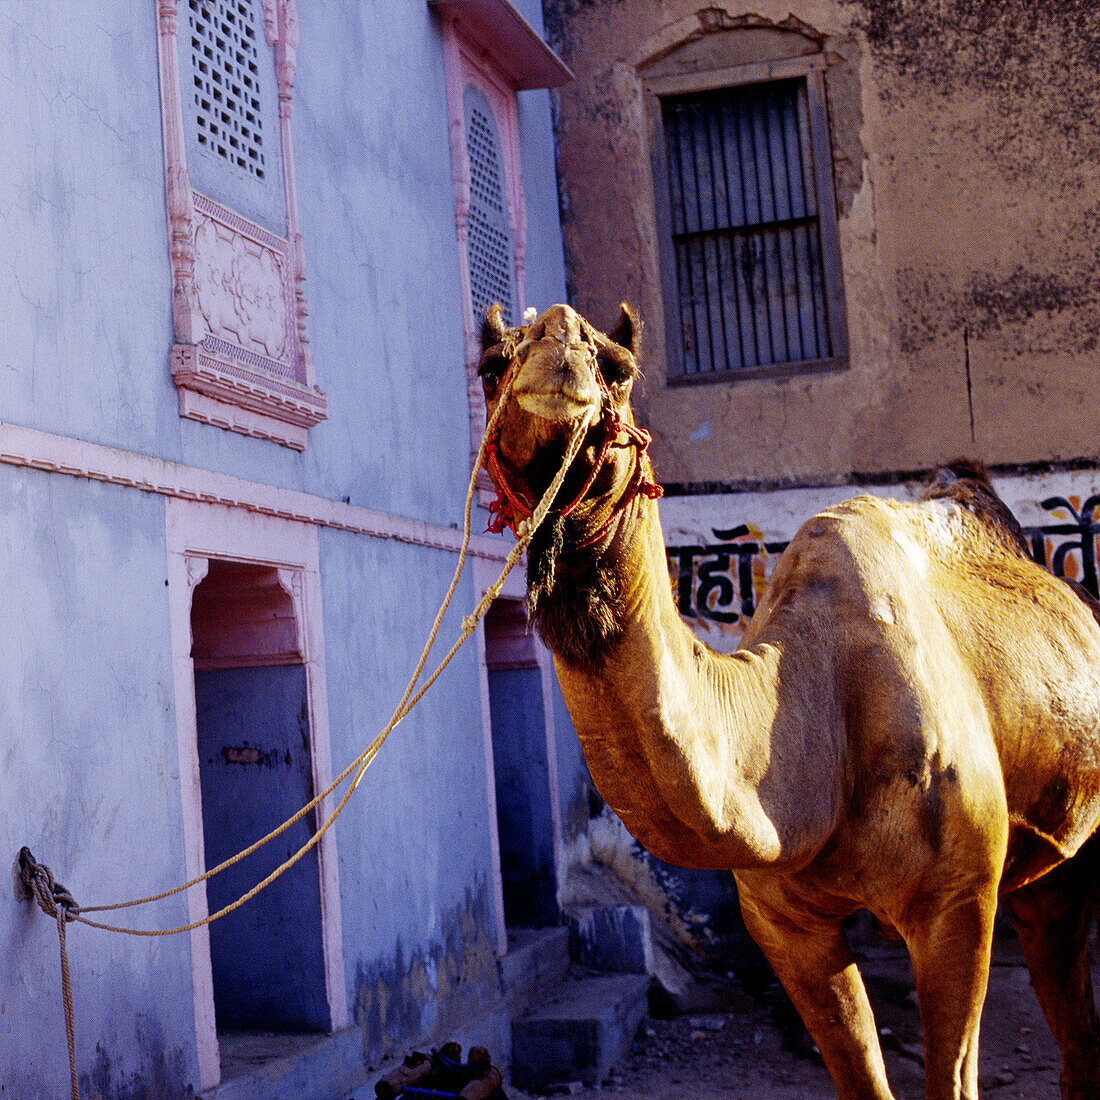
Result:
x=911 y=724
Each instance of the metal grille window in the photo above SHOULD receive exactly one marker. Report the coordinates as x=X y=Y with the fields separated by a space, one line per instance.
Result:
x=225 y=76
x=746 y=219
x=492 y=260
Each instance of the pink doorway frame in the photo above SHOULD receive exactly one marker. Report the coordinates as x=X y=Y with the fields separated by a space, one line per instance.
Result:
x=196 y=533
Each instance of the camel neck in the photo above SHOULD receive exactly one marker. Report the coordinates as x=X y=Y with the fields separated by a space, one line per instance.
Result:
x=675 y=735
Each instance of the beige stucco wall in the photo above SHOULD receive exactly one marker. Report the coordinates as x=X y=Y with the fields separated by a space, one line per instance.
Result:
x=965 y=150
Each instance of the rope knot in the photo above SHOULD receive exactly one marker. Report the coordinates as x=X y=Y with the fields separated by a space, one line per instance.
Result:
x=53 y=898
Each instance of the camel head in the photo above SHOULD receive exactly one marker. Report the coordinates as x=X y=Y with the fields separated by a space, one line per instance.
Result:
x=563 y=374
x=556 y=375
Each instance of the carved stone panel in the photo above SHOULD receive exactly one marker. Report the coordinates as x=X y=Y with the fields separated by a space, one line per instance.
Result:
x=241 y=358
x=242 y=286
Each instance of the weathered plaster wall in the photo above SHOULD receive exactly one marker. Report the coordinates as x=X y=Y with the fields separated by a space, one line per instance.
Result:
x=90 y=783
x=989 y=166
x=415 y=858
x=965 y=160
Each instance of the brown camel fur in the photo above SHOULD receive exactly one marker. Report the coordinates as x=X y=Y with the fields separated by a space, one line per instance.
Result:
x=911 y=724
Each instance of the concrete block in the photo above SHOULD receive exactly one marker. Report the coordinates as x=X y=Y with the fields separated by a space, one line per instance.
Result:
x=612 y=939
x=580 y=1034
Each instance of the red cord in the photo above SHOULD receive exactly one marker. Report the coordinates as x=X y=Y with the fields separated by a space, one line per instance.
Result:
x=508 y=510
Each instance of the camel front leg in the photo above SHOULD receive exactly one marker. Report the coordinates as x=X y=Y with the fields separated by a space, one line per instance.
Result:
x=811 y=958
x=949 y=943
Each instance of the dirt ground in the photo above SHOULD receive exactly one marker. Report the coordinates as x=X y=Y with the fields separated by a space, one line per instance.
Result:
x=757 y=1048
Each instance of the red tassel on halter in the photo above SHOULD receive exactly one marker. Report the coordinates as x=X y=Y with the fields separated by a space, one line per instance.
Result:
x=507 y=510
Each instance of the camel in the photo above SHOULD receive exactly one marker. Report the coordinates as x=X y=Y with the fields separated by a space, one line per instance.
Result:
x=911 y=724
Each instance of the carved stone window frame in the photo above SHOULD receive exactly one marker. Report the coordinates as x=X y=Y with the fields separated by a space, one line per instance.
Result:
x=240 y=357
x=195 y=533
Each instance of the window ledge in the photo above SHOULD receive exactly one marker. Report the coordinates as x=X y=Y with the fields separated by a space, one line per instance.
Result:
x=772 y=371
x=242 y=398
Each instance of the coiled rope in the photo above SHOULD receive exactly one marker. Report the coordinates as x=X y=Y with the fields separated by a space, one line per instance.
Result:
x=55 y=901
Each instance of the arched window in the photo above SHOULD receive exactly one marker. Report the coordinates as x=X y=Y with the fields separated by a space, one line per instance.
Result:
x=489 y=245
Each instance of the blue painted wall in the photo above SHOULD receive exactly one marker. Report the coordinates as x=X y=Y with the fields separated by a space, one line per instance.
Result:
x=91 y=775
x=90 y=783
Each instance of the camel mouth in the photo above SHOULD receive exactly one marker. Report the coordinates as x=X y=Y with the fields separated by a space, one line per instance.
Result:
x=558 y=408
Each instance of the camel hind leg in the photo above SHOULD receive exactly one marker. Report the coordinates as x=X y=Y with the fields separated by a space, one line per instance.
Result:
x=811 y=958
x=1053 y=917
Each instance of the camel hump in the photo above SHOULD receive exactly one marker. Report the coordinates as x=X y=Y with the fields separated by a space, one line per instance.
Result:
x=966 y=481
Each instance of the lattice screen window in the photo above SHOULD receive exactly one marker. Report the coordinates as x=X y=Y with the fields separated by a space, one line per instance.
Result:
x=491 y=253
x=226 y=84
x=748 y=230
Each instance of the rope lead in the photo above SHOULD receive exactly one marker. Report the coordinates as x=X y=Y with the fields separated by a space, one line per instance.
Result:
x=56 y=901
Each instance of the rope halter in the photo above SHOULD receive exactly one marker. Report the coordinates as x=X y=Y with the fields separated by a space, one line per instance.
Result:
x=510 y=511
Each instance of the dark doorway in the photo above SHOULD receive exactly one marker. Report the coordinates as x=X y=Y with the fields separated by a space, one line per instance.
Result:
x=524 y=814
x=256 y=770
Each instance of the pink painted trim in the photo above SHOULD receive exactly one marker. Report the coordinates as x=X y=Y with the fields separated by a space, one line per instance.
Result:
x=286 y=63
x=30 y=447
x=184 y=574
x=186 y=210
x=225 y=414
x=178 y=198
x=477 y=68
x=467 y=62
x=225 y=390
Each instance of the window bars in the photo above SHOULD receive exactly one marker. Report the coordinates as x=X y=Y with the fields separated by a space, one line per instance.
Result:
x=746 y=229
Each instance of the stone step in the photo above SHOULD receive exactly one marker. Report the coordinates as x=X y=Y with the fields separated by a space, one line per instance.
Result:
x=537 y=958
x=613 y=939
x=291 y=1067
x=579 y=1032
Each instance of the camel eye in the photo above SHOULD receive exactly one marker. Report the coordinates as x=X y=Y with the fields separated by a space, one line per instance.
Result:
x=617 y=365
x=492 y=367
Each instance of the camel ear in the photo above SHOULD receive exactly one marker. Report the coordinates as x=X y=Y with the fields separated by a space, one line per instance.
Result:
x=627 y=333
x=492 y=328
x=493 y=363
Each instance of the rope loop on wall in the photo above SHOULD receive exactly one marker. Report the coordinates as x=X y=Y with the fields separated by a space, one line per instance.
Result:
x=55 y=901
